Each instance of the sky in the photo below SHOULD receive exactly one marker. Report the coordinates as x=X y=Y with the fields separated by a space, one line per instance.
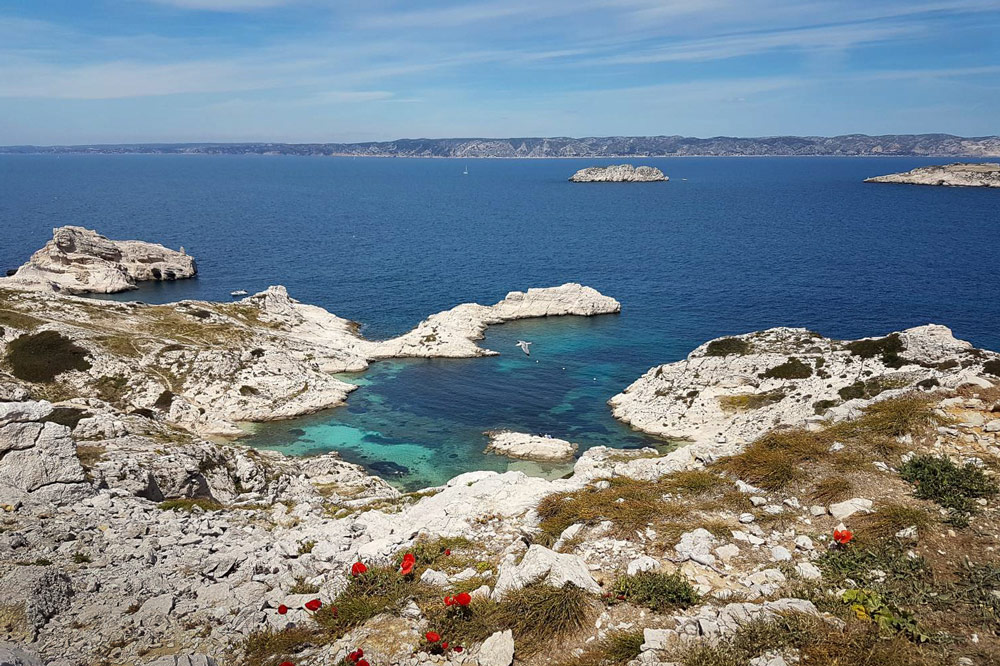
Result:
x=120 y=71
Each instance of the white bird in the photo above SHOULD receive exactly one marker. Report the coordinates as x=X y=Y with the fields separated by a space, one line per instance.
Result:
x=524 y=347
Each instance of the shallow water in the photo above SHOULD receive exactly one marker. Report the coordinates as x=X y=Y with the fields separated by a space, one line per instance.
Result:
x=741 y=244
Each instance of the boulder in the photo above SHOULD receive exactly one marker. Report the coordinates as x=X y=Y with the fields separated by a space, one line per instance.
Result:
x=541 y=565
x=497 y=650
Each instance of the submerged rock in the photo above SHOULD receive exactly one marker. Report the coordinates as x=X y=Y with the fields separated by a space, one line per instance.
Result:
x=619 y=173
x=529 y=447
x=81 y=261
x=959 y=174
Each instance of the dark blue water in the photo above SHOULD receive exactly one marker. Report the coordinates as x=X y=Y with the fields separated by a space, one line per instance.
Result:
x=727 y=246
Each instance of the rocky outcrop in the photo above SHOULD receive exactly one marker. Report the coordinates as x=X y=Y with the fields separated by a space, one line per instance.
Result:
x=81 y=261
x=732 y=390
x=208 y=366
x=454 y=333
x=619 y=173
x=959 y=174
x=529 y=447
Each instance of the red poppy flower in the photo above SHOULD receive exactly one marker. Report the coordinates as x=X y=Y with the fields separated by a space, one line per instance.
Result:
x=409 y=557
x=447 y=551
x=448 y=601
x=457 y=648
x=355 y=656
x=432 y=636
x=843 y=536
x=286 y=663
x=444 y=646
x=358 y=568
x=363 y=662
x=313 y=605
x=463 y=599
x=282 y=609
x=407 y=568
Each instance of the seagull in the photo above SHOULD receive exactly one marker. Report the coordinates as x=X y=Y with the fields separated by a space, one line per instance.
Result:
x=524 y=347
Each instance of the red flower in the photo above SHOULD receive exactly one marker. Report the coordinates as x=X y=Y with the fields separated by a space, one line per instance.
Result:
x=463 y=599
x=457 y=648
x=358 y=568
x=448 y=601
x=282 y=609
x=444 y=646
x=843 y=536
x=313 y=605
x=355 y=656
x=286 y=663
x=409 y=557
x=433 y=636
x=363 y=662
x=407 y=568
x=447 y=551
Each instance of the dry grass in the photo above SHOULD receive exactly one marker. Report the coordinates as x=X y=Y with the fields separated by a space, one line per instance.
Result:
x=629 y=504
x=832 y=489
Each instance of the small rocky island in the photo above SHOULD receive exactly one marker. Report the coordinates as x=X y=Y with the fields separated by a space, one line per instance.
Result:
x=529 y=447
x=959 y=174
x=81 y=261
x=619 y=173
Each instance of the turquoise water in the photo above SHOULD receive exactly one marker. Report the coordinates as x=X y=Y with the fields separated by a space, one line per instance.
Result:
x=727 y=246
x=419 y=422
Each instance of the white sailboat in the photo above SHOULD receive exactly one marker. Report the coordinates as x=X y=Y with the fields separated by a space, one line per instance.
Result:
x=466 y=172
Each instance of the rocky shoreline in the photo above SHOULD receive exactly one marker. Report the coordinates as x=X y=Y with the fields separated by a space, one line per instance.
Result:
x=959 y=174
x=127 y=538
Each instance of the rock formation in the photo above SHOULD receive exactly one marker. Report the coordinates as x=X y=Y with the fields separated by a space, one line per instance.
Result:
x=620 y=173
x=731 y=390
x=207 y=366
x=529 y=447
x=959 y=174
x=81 y=261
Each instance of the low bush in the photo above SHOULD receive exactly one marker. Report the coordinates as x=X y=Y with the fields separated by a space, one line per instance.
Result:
x=886 y=348
x=746 y=401
x=953 y=487
x=727 y=346
x=793 y=368
x=41 y=357
x=657 y=591
x=992 y=367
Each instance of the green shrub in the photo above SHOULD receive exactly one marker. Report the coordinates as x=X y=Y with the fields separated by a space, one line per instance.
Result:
x=821 y=406
x=657 y=591
x=887 y=348
x=793 y=368
x=727 y=346
x=41 y=357
x=992 y=367
x=376 y=591
x=953 y=487
x=870 y=607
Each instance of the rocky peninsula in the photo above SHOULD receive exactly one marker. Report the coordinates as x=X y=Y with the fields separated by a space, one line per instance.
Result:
x=620 y=173
x=959 y=174
x=81 y=261
x=836 y=502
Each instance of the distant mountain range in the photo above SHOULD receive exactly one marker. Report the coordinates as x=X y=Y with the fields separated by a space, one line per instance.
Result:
x=931 y=145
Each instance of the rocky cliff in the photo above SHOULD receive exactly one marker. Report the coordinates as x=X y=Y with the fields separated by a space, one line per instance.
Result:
x=620 y=173
x=960 y=174
x=81 y=261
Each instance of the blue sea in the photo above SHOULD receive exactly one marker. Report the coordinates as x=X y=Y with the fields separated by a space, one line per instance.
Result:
x=729 y=245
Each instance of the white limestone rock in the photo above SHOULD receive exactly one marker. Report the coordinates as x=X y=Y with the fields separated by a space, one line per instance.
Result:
x=497 y=650
x=618 y=173
x=959 y=174
x=848 y=508
x=784 y=376
x=541 y=565
x=81 y=261
x=529 y=447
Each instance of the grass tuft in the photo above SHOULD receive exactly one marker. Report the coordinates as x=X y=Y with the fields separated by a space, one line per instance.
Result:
x=953 y=487
x=656 y=591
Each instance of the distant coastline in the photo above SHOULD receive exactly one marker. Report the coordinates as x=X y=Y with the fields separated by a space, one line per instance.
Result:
x=851 y=145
